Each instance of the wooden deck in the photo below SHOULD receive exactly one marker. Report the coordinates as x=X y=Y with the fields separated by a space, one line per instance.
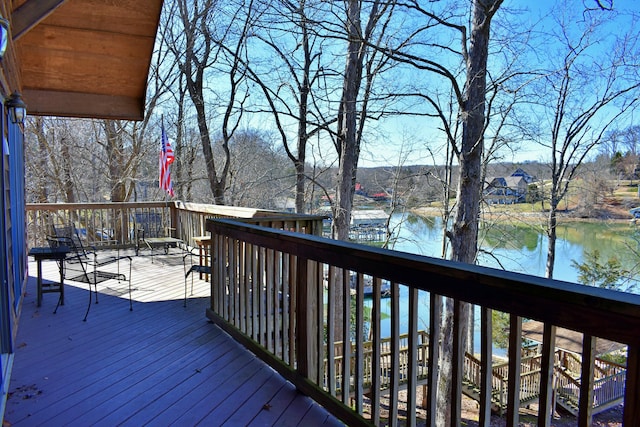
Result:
x=160 y=364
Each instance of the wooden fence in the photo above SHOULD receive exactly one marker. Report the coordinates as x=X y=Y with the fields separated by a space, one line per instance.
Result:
x=279 y=293
x=110 y=225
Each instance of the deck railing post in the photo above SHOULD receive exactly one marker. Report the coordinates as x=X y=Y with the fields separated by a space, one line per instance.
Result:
x=513 y=383
x=173 y=219
x=632 y=386
x=545 y=411
x=306 y=351
x=585 y=415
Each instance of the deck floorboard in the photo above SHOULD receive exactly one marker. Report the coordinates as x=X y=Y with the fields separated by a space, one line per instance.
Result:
x=159 y=364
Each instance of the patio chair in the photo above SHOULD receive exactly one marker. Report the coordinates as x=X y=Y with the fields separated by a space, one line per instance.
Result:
x=83 y=263
x=150 y=233
x=194 y=268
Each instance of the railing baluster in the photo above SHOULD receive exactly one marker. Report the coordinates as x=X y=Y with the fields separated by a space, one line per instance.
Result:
x=237 y=280
x=255 y=293
x=375 y=359
x=435 y=317
x=412 y=366
x=486 y=366
x=585 y=412
x=233 y=282
x=513 y=384
x=305 y=317
x=293 y=308
x=262 y=314
x=359 y=364
x=269 y=291
x=242 y=278
x=318 y=306
x=245 y=319
x=278 y=301
x=228 y=286
x=457 y=364
x=346 y=333
x=395 y=354
x=286 y=305
x=331 y=338
x=545 y=410
x=632 y=386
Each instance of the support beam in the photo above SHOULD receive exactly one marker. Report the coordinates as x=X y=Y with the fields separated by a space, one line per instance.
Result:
x=30 y=14
x=72 y=104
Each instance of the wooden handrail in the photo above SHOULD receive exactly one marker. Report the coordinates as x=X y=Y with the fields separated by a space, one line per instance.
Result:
x=592 y=311
x=111 y=224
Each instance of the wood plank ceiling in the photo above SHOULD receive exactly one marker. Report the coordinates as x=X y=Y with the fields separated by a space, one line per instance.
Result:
x=84 y=58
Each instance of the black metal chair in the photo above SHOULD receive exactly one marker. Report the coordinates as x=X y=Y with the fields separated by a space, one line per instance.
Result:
x=83 y=263
x=150 y=233
x=194 y=268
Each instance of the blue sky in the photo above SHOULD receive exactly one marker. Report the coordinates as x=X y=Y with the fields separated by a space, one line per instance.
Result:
x=415 y=140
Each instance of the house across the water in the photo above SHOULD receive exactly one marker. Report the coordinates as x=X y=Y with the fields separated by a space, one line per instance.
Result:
x=508 y=189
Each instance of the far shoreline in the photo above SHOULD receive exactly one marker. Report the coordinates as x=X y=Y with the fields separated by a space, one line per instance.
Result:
x=506 y=215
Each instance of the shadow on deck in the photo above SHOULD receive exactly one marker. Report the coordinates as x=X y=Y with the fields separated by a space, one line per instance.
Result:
x=158 y=364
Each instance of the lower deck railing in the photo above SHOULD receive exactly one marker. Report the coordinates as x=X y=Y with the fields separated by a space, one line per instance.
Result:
x=111 y=225
x=286 y=295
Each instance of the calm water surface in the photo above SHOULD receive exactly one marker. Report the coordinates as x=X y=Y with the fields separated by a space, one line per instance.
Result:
x=521 y=249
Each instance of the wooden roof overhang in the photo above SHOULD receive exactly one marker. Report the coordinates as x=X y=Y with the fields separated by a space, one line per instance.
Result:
x=81 y=58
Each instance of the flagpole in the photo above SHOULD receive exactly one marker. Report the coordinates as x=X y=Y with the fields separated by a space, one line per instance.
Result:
x=166 y=194
x=166 y=158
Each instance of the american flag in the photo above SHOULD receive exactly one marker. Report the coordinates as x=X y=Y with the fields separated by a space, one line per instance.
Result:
x=166 y=158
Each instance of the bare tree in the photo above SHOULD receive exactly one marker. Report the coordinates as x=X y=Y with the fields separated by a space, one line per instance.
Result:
x=194 y=44
x=470 y=103
x=583 y=98
x=287 y=66
x=363 y=64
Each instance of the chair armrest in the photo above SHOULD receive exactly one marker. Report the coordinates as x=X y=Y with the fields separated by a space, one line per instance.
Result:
x=55 y=241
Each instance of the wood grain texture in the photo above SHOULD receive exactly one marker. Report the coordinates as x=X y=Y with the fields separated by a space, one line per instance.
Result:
x=89 y=48
x=159 y=363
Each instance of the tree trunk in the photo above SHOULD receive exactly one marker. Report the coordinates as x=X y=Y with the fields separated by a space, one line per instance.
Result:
x=115 y=161
x=67 y=182
x=300 y=180
x=348 y=149
x=347 y=142
x=552 y=236
x=217 y=187
x=464 y=233
x=41 y=194
x=179 y=145
x=305 y=88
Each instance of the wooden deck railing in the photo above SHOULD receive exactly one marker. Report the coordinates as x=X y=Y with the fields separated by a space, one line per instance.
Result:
x=274 y=291
x=110 y=225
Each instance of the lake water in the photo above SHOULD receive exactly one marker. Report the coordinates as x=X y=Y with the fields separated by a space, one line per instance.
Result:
x=523 y=248
x=517 y=248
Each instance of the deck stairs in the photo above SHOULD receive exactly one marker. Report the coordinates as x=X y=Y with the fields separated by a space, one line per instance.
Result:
x=609 y=377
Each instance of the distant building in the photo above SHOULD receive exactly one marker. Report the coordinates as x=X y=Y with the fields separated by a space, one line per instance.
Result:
x=380 y=197
x=509 y=189
x=360 y=189
x=285 y=204
x=528 y=178
x=368 y=218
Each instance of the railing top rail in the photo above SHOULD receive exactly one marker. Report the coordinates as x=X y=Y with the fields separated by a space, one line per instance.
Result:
x=244 y=213
x=106 y=205
x=594 y=311
x=241 y=213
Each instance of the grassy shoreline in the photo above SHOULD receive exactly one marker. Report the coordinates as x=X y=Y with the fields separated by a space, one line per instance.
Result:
x=524 y=213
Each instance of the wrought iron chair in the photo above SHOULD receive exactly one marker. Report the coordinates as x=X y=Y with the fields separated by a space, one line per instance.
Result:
x=194 y=268
x=151 y=233
x=83 y=263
